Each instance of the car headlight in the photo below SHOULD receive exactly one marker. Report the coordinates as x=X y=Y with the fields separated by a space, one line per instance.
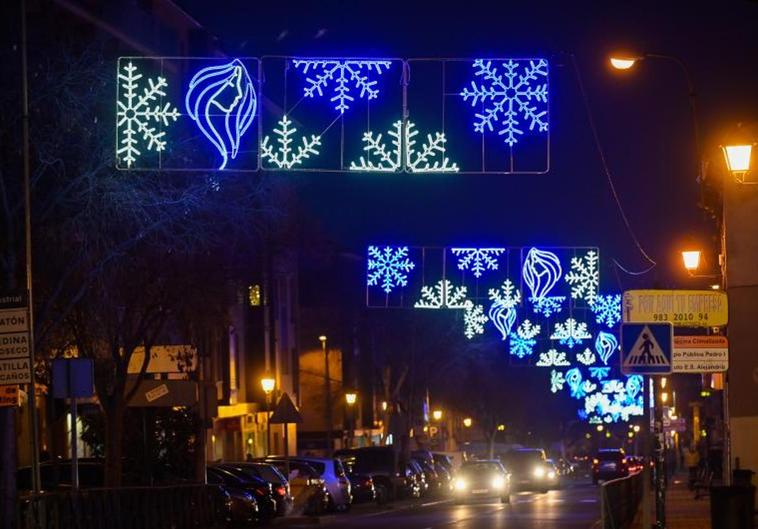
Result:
x=551 y=475
x=498 y=482
x=460 y=484
x=538 y=472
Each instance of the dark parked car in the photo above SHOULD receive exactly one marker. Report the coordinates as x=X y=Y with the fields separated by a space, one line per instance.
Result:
x=308 y=489
x=608 y=464
x=529 y=469
x=391 y=479
x=261 y=490
x=240 y=505
x=56 y=475
x=269 y=473
x=482 y=479
x=362 y=488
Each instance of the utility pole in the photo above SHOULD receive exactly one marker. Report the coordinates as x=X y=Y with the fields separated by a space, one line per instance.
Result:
x=327 y=397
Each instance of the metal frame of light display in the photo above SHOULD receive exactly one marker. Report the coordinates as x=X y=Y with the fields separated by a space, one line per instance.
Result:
x=543 y=305
x=325 y=114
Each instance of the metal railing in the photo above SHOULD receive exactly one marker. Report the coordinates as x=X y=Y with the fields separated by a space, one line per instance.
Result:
x=177 y=507
x=620 y=500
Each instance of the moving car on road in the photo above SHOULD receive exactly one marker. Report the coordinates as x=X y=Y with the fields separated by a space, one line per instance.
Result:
x=482 y=479
x=609 y=463
x=529 y=469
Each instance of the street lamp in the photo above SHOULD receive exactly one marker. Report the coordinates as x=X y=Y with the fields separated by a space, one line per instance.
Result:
x=623 y=62
x=691 y=259
x=268 y=383
x=467 y=422
x=350 y=398
x=437 y=415
x=737 y=159
x=599 y=428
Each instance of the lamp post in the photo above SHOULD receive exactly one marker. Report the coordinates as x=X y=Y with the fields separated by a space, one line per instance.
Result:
x=350 y=398
x=268 y=383
x=737 y=158
x=327 y=397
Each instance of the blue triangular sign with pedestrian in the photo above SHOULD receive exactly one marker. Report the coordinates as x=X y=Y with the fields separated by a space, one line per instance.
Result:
x=646 y=348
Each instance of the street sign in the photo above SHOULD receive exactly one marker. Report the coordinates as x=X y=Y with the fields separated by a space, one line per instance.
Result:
x=683 y=308
x=646 y=348
x=700 y=354
x=15 y=365
x=285 y=412
x=675 y=425
x=73 y=377
x=8 y=396
x=162 y=393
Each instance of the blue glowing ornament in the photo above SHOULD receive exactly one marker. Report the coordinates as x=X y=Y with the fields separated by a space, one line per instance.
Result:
x=607 y=309
x=222 y=102
x=574 y=381
x=388 y=267
x=605 y=344
x=541 y=271
x=634 y=385
x=600 y=373
x=502 y=312
x=509 y=98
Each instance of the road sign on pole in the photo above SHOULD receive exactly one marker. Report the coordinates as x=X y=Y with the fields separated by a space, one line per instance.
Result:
x=683 y=308
x=700 y=354
x=15 y=361
x=646 y=348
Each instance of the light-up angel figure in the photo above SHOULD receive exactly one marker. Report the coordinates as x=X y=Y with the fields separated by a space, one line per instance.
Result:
x=222 y=101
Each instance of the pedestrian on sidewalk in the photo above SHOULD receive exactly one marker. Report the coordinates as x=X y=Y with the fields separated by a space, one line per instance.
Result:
x=692 y=462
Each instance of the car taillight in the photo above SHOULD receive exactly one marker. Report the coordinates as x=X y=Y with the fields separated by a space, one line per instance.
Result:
x=368 y=482
x=281 y=491
x=263 y=491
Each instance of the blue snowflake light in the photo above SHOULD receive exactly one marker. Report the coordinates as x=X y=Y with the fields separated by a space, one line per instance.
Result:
x=600 y=373
x=522 y=342
x=477 y=260
x=345 y=74
x=570 y=333
x=607 y=309
x=502 y=312
x=221 y=100
x=388 y=267
x=510 y=99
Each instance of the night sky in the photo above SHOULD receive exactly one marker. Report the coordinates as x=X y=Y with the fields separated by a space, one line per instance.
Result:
x=643 y=120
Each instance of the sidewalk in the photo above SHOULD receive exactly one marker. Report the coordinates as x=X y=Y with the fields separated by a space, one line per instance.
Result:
x=683 y=511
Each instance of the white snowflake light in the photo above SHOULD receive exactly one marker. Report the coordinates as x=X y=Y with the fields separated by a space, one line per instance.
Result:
x=553 y=358
x=607 y=309
x=522 y=342
x=141 y=115
x=388 y=267
x=345 y=75
x=430 y=158
x=283 y=155
x=443 y=295
x=587 y=357
x=511 y=98
x=557 y=381
x=477 y=260
x=570 y=332
x=600 y=373
x=473 y=320
x=584 y=277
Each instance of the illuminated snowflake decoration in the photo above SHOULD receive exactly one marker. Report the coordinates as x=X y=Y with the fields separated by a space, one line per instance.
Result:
x=502 y=312
x=473 y=320
x=575 y=383
x=587 y=357
x=600 y=373
x=522 y=342
x=597 y=403
x=388 y=267
x=584 y=277
x=443 y=295
x=607 y=309
x=605 y=345
x=283 y=156
x=511 y=98
x=615 y=386
x=430 y=158
x=140 y=115
x=570 y=333
x=344 y=76
x=557 y=381
x=553 y=358
x=548 y=305
x=477 y=260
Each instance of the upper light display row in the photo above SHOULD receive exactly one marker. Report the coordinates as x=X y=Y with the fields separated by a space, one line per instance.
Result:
x=333 y=114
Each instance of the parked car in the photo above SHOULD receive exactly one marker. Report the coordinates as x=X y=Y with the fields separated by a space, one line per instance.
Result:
x=482 y=479
x=335 y=479
x=443 y=460
x=391 y=479
x=431 y=477
x=609 y=463
x=362 y=487
x=240 y=506
x=279 y=484
x=56 y=475
x=415 y=470
x=308 y=490
x=529 y=469
x=260 y=489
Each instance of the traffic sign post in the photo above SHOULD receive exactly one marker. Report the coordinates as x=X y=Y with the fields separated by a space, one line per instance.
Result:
x=700 y=354
x=683 y=308
x=647 y=349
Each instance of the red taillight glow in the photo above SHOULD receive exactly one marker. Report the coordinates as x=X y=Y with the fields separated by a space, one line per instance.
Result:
x=281 y=491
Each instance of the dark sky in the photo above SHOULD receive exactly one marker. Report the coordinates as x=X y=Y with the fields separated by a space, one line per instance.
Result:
x=642 y=118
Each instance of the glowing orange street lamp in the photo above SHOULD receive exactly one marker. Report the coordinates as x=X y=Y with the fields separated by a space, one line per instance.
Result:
x=623 y=62
x=691 y=259
x=737 y=159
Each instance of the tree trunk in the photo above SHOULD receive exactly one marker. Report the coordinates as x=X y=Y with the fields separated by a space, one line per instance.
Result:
x=7 y=467
x=490 y=445
x=114 y=446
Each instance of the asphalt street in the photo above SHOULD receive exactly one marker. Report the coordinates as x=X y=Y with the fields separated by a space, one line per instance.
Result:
x=574 y=506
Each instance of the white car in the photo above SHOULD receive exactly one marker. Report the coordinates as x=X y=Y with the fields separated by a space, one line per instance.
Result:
x=335 y=479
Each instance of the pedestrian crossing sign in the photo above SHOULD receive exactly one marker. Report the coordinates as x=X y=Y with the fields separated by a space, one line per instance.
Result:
x=646 y=348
